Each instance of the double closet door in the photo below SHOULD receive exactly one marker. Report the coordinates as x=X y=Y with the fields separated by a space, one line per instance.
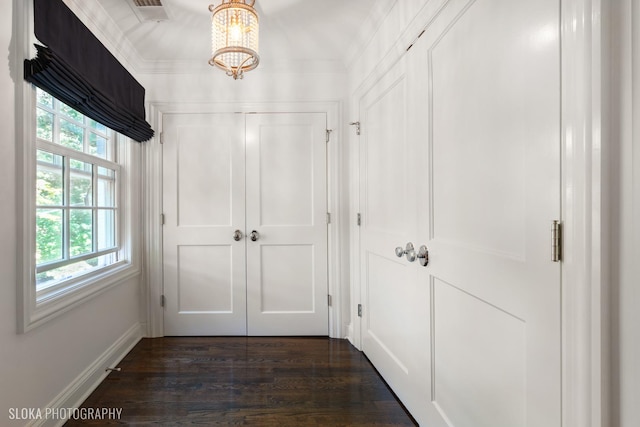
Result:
x=460 y=153
x=245 y=232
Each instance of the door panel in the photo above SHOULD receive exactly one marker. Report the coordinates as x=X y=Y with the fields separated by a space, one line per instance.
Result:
x=489 y=376
x=286 y=165
x=494 y=108
x=203 y=197
x=394 y=333
x=287 y=282
x=205 y=279
x=287 y=205
x=204 y=187
x=482 y=169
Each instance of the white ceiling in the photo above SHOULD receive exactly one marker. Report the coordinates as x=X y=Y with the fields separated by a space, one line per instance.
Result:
x=293 y=33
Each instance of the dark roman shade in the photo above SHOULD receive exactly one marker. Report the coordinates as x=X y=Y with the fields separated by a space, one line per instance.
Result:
x=78 y=70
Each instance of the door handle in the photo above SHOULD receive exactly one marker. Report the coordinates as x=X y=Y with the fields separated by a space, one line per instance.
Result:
x=409 y=251
x=237 y=235
x=254 y=235
x=423 y=255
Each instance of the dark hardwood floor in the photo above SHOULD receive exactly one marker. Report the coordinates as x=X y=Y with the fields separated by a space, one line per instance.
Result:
x=247 y=381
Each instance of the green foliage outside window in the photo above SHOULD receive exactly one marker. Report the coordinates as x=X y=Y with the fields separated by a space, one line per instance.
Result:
x=68 y=223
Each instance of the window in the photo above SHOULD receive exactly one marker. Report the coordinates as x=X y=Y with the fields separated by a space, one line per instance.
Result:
x=76 y=209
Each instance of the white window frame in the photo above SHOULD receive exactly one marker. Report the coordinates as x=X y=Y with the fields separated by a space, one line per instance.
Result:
x=38 y=307
x=50 y=290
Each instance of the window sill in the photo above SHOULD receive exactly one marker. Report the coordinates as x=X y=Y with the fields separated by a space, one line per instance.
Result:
x=49 y=305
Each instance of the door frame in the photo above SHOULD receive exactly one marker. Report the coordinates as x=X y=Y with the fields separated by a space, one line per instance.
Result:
x=586 y=265
x=153 y=279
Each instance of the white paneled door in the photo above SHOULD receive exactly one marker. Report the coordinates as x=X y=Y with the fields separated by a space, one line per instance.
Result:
x=287 y=208
x=203 y=198
x=245 y=234
x=460 y=152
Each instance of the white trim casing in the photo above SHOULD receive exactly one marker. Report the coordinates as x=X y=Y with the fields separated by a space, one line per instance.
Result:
x=153 y=201
x=584 y=176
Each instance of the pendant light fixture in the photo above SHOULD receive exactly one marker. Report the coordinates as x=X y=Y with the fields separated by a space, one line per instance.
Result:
x=234 y=37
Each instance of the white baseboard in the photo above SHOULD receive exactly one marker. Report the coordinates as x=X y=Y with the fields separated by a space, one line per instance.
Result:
x=350 y=337
x=80 y=388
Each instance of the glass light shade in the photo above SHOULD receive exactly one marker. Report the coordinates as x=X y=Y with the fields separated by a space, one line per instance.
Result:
x=234 y=37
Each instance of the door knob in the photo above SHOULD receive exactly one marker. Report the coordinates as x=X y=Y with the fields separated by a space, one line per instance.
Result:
x=409 y=251
x=423 y=255
x=254 y=235
x=237 y=235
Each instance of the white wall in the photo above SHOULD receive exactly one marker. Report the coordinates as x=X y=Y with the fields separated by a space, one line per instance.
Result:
x=35 y=367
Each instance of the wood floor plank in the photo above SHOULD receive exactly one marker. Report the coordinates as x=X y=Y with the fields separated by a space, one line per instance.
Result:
x=258 y=381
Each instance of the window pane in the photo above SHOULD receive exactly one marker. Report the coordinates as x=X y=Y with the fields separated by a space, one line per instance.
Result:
x=106 y=229
x=80 y=232
x=43 y=156
x=74 y=218
x=70 y=112
x=97 y=126
x=45 y=124
x=49 y=188
x=44 y=98
x=71 y=135
x=48 y=235
x=98 y=146
x=81 y=191
x=106 y=188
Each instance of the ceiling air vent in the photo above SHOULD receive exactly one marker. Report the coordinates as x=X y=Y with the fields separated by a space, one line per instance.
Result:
x=150 y=10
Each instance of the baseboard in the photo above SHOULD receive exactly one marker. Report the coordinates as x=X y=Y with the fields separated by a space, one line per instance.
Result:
x=350 y=337
x=80 y=388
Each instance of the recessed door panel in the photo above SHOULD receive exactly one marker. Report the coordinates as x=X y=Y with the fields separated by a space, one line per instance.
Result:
x=286 y=175
x=204 y=279
x=386 y=161
x=479 y=357
x=387 y=305
x=204 y=164
x=287 y=282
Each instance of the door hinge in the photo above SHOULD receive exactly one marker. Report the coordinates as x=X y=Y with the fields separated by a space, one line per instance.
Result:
x=162 y=219
x=357 y=125
x=359 y=220
x=328 y=218
x=161 y=137
x=359 y=310
x=329 y=134
x=556 y=241
x=162 y=301
x=329 y=300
